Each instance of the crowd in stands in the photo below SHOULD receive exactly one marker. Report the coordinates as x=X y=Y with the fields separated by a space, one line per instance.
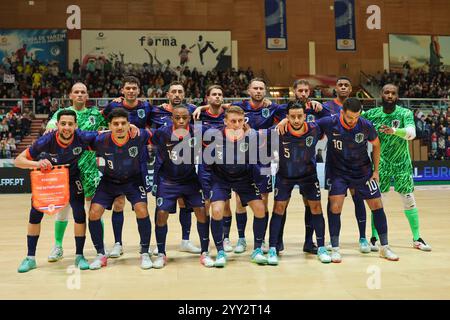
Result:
x=14 y=125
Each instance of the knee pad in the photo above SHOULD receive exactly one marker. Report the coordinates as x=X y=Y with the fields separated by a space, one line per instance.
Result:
x=35 y=216
x=63 y=215
x=409 y=202
x=79 y=217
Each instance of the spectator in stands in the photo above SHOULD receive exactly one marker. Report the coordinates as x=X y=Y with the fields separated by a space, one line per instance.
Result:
x=27 y=118
x=4 y=128
x=11 y=142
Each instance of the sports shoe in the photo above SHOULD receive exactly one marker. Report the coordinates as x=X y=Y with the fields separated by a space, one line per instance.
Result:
x=272 y=257
x=206 y=260
x=364 y=246
x=227 y=245
x=374 y=245
x=155 y=251
x=265 y=247
x=100 y=261
x=146 y=262
x=221 y=259
x=116 y=251
x=329 y=247
x=187 y=246
x=160 y=261
x=27 y=265
x=336 y=255
x=280 y=247
x=310 y=248
x=259 y=257
x=81 y=262
x=323 y=255
x=421 y=245
x=56 y=254
x=387 y=253
x=241 y=246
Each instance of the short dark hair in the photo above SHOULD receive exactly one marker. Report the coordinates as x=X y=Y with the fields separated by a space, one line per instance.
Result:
x=343 y=78
x=175 y=83
x=66 y=112
x=352 y=104
x=117 y=113
x=131 y=79
x=292 y=105
x=257 y=79
x=299 y=82
x=214 y=86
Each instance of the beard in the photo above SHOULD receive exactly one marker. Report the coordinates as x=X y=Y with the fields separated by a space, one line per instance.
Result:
x=388 y=105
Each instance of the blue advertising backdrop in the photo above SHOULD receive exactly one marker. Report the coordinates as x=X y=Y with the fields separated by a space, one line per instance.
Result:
x=344 y=14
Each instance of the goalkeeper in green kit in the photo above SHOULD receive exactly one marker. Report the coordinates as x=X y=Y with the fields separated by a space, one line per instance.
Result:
x=88 y=119
x=396 y=126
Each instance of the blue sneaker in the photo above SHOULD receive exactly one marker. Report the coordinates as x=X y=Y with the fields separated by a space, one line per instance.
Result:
x=81 y=262
x=272 y=258
x=364 y=246
x=241 y=246
x=259 y=257
x=27 y=265
x=221 y=259
x=323 y=255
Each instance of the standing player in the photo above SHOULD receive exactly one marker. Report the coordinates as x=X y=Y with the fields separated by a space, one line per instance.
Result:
x=350 y=167
x=88 y=119
x=123 y=175
x=178 y=146
x=396 y=127
x=64 y=146
x=230 y=160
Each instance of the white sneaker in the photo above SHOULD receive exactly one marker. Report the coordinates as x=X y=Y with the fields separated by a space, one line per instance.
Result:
x=227 y=247
x=336 y=255
x=265 y=247
x=374 y=245
x=421 y=245
x=116 y=251
x=146 y=262
x=155 y=251
x=187 y=246
x=241 y=246
x=387 y=253
x=100 y=261
x=364 y=246
x=323 y=255
x=56 y=254
x=206 y=260
x=160 y=261
x=328 y=246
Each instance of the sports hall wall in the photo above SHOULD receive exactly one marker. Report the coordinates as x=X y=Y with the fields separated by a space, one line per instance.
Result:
x=307 y=20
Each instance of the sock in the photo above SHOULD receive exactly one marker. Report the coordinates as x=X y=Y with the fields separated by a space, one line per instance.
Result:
x=241 y=223
x=374 y=230
x=413 y=218
x=103 y=229
x=274 y=231
x=258 y=231
x=308 y=226
x=217 y=233
x=161 y=234
x=96 y=231
x=227 y=226
x=31 y=244
x=318 y=223
x=379 y=219
x=79 y=244
x=203 y=232
x=60 y=229
x=185 y=221
x=360 y=214
x=145 y=230
x=266 y=223
x=329 y=213
x=335 y=228
x=117 y=223
x=283 y=222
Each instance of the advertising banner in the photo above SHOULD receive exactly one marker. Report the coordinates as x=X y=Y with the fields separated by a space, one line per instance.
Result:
x=14 y=180
x=344 y=14
x=431 y=170
x=276 y=30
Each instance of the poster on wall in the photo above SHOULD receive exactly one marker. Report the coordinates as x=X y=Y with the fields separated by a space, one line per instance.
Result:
x=27 y=45
x=430 y=53
x=204 y=50
x=344 y=17
x=275 y=20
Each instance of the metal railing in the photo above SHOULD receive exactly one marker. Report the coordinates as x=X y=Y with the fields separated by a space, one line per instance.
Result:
x=9 y=103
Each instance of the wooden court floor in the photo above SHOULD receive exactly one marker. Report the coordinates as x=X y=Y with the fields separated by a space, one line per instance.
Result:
x=418 y=275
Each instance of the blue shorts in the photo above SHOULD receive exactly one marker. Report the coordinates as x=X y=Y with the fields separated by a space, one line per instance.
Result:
x=368 y=189
x=168 y=192
x=204 y=177
x=264 y=182
x=107 y=191
x=309 y=188
x=246 y=189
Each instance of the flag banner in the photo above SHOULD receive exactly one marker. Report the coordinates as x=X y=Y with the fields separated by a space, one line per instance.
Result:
x=344 y=14
x=276 y=34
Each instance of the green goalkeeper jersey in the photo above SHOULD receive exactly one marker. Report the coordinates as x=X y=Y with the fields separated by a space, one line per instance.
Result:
x=394 y=150
x=88 y=119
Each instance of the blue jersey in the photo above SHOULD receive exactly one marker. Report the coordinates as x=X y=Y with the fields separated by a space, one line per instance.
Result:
x=212 y=121
x=233 y=160
x=123 y=161
x=311 y=115
x=49 y=147
x=176 y=155
x=162 y=115
x=139 y=115
x=260 y=118
x=334 y=106
x=347 y=147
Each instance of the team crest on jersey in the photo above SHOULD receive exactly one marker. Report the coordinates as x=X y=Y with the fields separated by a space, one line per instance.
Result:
x=359 y=137
x=265 y=112
x=159 y=201
x=133 y=151
x=92 y=120
x=141 y=113
x=76 y=151
x=243 y=147
x=395 y=123
x=310 y=118
x=309 y=141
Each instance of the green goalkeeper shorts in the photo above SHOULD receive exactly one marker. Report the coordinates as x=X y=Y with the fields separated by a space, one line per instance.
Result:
x=90 y=176
x=403 y=179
